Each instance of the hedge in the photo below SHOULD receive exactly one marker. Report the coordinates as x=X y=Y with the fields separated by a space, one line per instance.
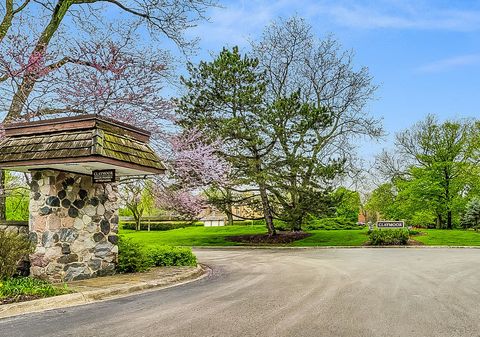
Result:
x=332 y=224
x=161 y=226
x=133 y=257
x=386 y=237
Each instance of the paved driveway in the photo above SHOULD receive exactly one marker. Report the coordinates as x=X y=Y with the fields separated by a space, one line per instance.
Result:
x=338 y=292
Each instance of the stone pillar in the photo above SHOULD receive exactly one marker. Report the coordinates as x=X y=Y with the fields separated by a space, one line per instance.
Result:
x=74 y=225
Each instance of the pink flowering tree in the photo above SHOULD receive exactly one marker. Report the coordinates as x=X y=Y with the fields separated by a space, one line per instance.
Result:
x=69 y=57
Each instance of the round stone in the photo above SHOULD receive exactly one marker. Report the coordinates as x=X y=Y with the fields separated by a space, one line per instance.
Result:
x=68 y=258
x=53 y=201
x=97 y=237
x=34 y=186
x=37 y=196
x=66 y=203
x=72 y=212
x=113 y=239
x=67 y=235
x=105 y=227
x=78 y=224
x=45 y=210
x=100 y=210
x=82 y=194
x=62 y=194
x=90 y=210
x=66 y=249
x=94 y=201
x=79 y=203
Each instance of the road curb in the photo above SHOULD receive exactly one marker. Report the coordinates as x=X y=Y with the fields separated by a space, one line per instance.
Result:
x=89 y=296
x=332 y=247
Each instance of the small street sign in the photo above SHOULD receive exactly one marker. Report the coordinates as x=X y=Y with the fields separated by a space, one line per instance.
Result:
x=390 y=224
x=103 y=176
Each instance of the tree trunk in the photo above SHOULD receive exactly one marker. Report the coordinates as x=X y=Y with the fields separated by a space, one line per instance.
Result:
x=267 y=212
x=229 y=206
x=230 y=217
x=137 y=224
x=3 y=197
x=449 y=220
x=28 y=82
x=7 y=19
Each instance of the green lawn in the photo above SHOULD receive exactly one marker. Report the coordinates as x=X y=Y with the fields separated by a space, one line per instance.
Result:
x=192 y=236
x=215 y=236
x=455 y=237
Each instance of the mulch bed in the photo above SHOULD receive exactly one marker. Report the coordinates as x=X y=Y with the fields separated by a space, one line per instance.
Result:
x=259 y=239
x=20 y=298
x=412 y=242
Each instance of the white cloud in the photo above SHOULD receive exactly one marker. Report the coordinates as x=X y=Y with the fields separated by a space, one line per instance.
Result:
x=399 y=15
x=238 y=21
x=450 y=63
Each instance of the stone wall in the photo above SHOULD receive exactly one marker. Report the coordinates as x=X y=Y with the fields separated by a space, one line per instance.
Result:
x=74 y=224
x=17 y=227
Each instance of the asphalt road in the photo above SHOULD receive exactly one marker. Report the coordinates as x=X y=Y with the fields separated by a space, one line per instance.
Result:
x=338 y=292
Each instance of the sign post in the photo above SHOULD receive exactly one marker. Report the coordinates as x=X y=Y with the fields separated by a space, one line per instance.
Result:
x=390 y=224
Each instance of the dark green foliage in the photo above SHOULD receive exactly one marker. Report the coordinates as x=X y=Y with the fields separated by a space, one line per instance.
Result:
x=14 y=289
x=347 y=204
x=13 y=248
x=300 y=176
x=471 y=218
x=387 y=237
x=439 y=171
x=225 y=100
x=161 y=226
x=172 y=256
x=131 y=257
x=134 y=257
x=332 y=224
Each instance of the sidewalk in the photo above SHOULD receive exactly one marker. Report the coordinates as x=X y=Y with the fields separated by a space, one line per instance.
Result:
x=101 y=288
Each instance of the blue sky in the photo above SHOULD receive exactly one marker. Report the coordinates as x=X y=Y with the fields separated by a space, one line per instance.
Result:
x=425 y=55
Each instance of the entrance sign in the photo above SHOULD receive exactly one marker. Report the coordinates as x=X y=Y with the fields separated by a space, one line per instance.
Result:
x=390 y=224
x=103 y=176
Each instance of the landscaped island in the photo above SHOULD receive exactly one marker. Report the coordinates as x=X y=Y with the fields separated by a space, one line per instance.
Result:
x=218 y=236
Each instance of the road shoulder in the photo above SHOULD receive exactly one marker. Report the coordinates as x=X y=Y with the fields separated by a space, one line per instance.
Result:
x=104 y=288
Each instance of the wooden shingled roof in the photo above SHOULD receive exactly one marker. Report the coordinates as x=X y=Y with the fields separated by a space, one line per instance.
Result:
x=88 y=142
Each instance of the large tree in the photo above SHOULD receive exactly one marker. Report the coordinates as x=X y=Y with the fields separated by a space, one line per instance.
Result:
x=294 y=59
x=225 y=100
x=299 y=178
x=438 y=166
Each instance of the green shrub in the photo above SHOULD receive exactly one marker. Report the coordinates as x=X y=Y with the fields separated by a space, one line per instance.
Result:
x=131 y=257
x=13 y=248
x=386 y=237
x=332 y=224
x=15 y=288
x=423 y=219
x=471 y=218
x=161 y=226
x=172 y=256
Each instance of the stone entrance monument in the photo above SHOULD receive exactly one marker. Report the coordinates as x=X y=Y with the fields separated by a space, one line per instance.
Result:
x=75 y=164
